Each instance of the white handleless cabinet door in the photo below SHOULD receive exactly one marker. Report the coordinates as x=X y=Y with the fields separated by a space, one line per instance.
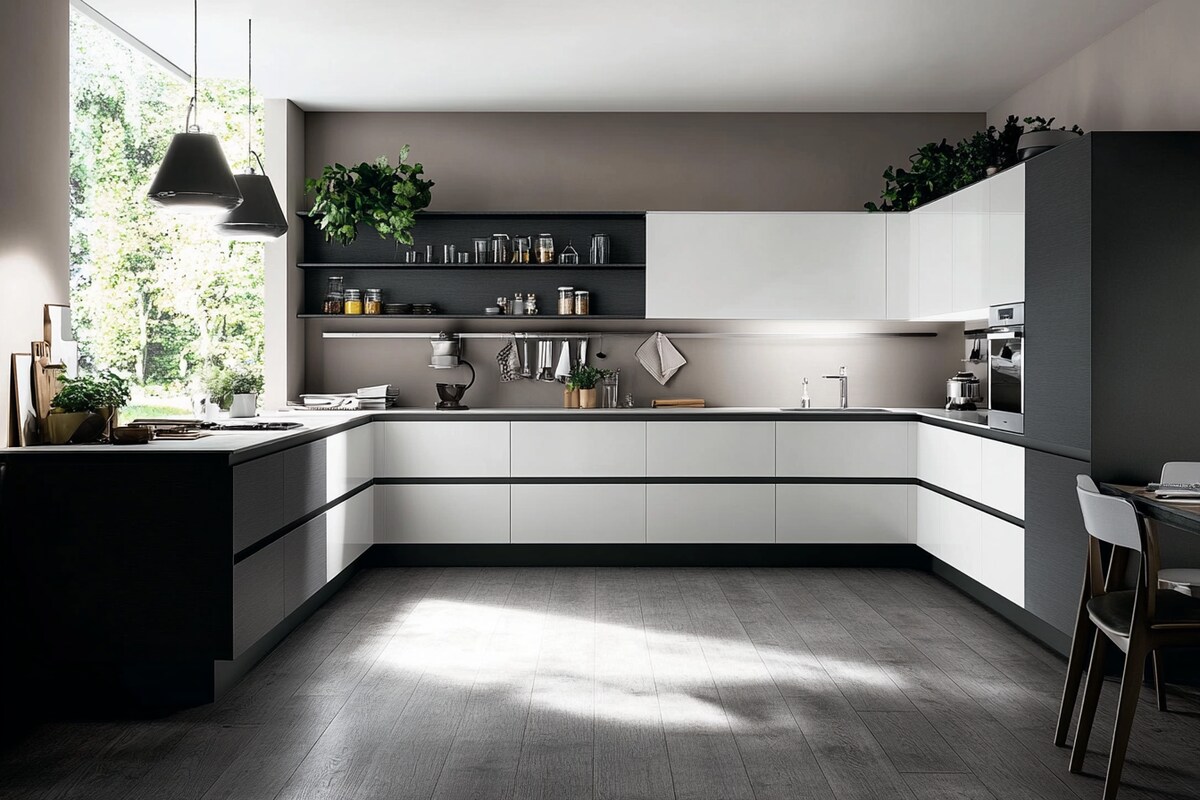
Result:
x=442 y=449
x=951 y=460
x=710 y=449
x=349 y=531
x=969 y=208
x=766 y=265
x=1005 y=276
x=843 y=449
x=901 y=267
x=349 y=460
x=824 y=512
x=933 y=242
x=1003 y=558
x=578 y=513
x=708 y=512
x=1003 y=476
x=608 y=449
x=441 y=513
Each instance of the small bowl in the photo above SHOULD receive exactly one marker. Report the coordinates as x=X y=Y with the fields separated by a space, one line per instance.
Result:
x=129 y=435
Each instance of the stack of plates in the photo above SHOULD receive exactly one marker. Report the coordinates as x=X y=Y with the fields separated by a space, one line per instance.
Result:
x=377 y=398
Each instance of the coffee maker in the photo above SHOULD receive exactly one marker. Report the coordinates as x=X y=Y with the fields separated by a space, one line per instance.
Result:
x=447 y=354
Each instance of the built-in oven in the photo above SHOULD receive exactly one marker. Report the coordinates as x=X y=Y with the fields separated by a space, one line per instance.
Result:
x=1006 y=367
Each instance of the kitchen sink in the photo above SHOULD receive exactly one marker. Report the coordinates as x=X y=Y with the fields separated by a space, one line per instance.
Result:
x=839 y=410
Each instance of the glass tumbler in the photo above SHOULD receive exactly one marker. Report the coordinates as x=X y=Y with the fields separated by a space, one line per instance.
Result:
x=609 y=397
x=481 y=251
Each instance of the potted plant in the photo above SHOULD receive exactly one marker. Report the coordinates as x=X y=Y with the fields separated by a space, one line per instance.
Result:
x=377 y=194
x=86 y=407
x=244 y=388
x=570 y=395
x=585 y=378
x=1040 y=137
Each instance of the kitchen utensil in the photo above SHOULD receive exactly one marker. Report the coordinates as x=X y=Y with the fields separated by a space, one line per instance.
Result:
x=962 y=392
x=546 y=361
x=563 y=370
x=600 y=350
x=600 y=250
x=583 y=347
x=526 y=369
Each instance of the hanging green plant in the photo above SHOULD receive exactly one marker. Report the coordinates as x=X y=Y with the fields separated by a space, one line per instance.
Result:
x=377 y=194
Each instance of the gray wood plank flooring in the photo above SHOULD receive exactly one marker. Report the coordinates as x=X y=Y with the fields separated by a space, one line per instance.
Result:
x=637 y=684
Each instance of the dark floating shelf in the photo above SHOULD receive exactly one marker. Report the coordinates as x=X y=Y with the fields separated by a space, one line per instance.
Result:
x=410 y=317
x=479 y=267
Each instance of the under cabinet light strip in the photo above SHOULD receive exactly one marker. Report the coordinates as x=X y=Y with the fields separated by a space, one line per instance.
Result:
x=595 y=334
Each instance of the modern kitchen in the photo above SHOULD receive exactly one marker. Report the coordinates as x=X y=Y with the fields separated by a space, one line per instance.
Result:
x=393 y=413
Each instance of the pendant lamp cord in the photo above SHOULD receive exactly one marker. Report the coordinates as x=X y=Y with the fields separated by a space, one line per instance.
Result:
x=194 y=105
x=253 y=156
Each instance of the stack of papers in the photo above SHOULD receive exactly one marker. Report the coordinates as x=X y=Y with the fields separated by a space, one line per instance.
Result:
x=344 y=402
x=368 y=398
x=1177 y=491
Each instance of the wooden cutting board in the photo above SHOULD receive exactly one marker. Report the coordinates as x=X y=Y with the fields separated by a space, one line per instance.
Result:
x=45 y=379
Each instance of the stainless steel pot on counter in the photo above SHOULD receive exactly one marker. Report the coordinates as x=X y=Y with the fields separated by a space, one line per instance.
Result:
x=963 y=391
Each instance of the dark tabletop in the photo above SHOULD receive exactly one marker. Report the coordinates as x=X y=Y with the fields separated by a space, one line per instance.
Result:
x=1182 y=515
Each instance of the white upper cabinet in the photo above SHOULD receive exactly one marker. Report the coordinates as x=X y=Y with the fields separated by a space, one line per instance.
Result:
x=932 y=246
x=969 y=211
x=1004 y=279
x=901 y=267
x=766 y=265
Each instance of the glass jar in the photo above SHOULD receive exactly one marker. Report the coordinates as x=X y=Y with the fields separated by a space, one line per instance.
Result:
x=333 y=296
x=583 y=302
x=520 y=250
x=609 y=397
x=531 y=304
x=544 y=251
x=566 y=300
x=481 y=251
x=373 y=301
x=500 y=248
x=354 y=304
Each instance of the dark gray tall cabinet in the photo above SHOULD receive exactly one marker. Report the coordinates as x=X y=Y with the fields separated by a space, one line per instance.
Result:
x=1113 y=329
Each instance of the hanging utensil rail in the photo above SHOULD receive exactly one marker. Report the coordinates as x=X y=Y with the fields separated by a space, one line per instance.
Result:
x=588 y=335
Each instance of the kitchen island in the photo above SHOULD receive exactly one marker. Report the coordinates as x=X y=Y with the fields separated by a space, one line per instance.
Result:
x=158 y=574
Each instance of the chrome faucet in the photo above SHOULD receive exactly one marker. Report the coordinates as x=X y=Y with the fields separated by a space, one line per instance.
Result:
x=841 y=376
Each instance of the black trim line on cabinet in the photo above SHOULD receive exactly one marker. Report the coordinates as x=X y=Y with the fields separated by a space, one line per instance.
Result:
x=966 y=501
x=636 y=479
x=1042 y=631
x=648 y=555
x=271 y=538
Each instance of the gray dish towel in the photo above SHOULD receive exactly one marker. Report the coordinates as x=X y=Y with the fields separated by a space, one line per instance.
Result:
x=509 y=363
x=660 y=358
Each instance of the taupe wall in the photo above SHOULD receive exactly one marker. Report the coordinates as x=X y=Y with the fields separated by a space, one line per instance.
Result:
x=709 y=162
x=34 y=157
x=1142 y=76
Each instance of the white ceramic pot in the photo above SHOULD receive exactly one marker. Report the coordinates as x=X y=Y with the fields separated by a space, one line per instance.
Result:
x=244 y=405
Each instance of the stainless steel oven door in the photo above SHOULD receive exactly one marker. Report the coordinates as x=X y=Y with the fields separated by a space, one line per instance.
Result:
x=1006 y=384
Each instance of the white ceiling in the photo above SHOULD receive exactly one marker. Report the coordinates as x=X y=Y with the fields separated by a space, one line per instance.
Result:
x=630 y=55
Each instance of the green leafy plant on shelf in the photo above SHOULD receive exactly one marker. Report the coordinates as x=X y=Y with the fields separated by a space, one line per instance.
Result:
x=939 y=168
x=222 y=384
x=584 y=376
x=95 y=393
x=1037 y=124
x=376 y=194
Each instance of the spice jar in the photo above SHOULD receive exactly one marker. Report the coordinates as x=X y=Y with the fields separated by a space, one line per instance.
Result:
x=531 y=304
x=566 y=300
x=354 y=304
x=520 y=250
x=373 y=301
x=333 y=296
x=583 y=302
x=544 y=251
x=518 y=306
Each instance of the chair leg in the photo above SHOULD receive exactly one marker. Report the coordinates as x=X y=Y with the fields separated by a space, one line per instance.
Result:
x=1160 y=683
x=1131 y=687
x=1091 y=698
x=1066 y=708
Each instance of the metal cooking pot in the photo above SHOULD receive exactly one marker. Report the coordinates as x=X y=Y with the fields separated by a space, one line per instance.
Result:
x=962 y=392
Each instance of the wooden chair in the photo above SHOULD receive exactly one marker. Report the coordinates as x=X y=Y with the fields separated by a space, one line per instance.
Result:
x=1139 y=621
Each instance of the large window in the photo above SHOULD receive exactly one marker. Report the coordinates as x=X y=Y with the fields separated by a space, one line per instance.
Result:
x=159 y=298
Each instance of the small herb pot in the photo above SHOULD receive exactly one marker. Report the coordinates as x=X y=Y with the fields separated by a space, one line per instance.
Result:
x=244 y=405
x=77 y=427
x=587 y=398
x=570 y=398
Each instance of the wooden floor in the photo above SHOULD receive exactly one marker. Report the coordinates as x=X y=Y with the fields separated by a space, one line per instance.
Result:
x=625 y=683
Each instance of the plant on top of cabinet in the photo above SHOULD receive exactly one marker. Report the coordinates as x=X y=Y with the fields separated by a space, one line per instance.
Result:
x=1040 y=137
x=376 y=194
x=86 y=407
x=938 y=168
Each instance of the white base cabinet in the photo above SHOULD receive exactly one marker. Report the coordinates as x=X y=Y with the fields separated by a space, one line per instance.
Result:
x=844 y=449
x=846 y=512
x=710 y=512
x=443 y=449
x=349 y=531
x=1002 y=558
x=608 y=513
x=442 y=513
x=710 y=449
x=609 y=449
x=950 y=459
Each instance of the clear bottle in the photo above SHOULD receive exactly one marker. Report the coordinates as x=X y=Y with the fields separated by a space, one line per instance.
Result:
x=373 y=301
x=544 y=250
x=566 y=300
x=354 y=303
x=805 y=400
x=520 y=250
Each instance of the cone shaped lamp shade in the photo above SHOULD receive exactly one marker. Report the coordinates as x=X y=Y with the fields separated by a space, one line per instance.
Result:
x=195 y=178
x=259 y=216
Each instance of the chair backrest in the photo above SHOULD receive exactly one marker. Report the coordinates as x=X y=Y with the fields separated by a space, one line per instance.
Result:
x=1180 y=472
x=1107 y=518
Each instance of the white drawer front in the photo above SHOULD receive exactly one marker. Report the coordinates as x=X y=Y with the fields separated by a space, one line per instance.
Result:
x=843 y=449
x=555 y=513
x=349 y=532
x=578 y=449
x=442 y=513
x=812 y=512
x=950 y=459
x=349 y=460
x=1002 y=550
x=442 y=449
x=1003 y=477
x=707 y=512
x=710 y=449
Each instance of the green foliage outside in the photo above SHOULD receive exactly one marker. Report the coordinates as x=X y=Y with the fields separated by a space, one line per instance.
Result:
x=156 y=297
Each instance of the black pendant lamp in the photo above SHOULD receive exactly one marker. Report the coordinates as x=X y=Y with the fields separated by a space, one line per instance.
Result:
x=194 y=177
x=259 y=217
